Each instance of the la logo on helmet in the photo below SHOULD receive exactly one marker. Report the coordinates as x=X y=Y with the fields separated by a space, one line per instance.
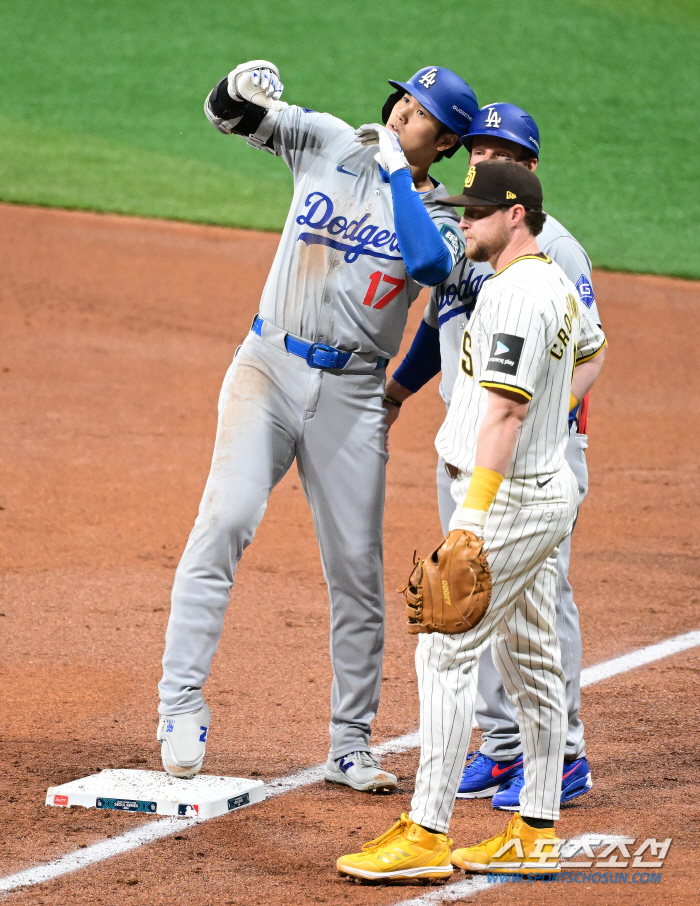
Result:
x=428 y=79
x=493 y=120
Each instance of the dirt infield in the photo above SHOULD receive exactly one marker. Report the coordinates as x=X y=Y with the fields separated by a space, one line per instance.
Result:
x=116 y=334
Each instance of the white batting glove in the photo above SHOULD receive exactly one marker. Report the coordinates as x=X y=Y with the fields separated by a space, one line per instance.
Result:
x=468 y=520
x=390 y=156
x=258 y=82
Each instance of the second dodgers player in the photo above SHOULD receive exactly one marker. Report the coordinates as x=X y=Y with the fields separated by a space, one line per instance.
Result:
x=504 y=437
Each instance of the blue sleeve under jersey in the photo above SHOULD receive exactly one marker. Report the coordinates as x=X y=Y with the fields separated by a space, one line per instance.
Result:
x=422 y=247
x=422 y=361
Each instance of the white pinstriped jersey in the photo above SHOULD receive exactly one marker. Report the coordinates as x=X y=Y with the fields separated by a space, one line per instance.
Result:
x=527 y=333
x=452 y=302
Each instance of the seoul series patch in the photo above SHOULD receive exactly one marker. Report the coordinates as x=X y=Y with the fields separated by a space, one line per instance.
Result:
x=127 y=805
x=505 y=353
x=452 y=239
x=238 y=801
x=585 y=290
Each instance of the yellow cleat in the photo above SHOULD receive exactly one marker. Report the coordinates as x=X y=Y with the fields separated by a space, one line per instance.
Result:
x=519 y=849
x=406 y=850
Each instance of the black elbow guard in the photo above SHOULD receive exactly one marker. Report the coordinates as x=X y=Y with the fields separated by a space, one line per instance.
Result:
x=223 y=106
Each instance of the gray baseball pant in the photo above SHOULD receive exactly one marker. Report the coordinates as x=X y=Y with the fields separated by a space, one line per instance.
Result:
x=495 y=713
x=274 y=408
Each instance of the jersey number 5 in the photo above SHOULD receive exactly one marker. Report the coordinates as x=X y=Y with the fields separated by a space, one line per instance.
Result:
x=374 y=282
x=466 y=360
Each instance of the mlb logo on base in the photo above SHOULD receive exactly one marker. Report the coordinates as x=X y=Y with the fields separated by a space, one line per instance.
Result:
x=187 y=811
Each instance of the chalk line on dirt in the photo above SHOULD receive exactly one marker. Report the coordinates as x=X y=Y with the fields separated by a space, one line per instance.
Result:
x=97 y=852
x=165 y=827
x=638 y=658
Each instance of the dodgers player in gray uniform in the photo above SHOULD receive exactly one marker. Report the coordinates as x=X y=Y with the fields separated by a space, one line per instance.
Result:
x=506 y=132
x=308 y=384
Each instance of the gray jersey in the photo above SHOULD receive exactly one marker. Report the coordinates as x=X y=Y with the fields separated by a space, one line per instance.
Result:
x=452 y=302
x=338 y=276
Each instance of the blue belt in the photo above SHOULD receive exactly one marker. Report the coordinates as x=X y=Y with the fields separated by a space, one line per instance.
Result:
x=317 y=355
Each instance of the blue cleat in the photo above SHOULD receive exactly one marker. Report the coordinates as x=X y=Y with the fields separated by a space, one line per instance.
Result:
x=576 y=780
x=508 y=795
x=482 y=776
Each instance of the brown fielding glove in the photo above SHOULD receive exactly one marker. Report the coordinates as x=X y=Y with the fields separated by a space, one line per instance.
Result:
x=450 y=590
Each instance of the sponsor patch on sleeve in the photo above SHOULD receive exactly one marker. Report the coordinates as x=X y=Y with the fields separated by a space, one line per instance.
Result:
x=452 y=241
x=585 y=290
x=505 y=353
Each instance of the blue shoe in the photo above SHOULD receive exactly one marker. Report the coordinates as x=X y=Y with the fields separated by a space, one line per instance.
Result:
x=483 y=776
x=508 y=795
x=576 y=780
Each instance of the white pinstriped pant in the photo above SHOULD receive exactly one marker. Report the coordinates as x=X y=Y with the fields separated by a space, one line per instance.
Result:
x=521 y=544
x=494 y=713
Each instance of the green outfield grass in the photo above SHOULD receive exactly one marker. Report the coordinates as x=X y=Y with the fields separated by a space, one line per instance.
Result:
x=101 y=104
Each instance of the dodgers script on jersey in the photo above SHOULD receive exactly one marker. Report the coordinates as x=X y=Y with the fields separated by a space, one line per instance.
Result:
x=527 y=333
x=338 y=276
x=452 y=302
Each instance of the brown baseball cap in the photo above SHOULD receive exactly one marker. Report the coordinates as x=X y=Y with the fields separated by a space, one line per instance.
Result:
x=493 y=183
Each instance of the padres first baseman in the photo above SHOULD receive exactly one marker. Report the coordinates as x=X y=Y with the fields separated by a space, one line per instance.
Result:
x=505 y=435
x=505 y=132
x=308 y=384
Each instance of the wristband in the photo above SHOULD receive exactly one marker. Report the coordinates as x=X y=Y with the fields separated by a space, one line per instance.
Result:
x=573 y=402
x=482 y=489
x=392 y=401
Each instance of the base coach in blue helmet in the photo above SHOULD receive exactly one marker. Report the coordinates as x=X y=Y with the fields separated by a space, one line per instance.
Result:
x=307 y=386
x=507 y=133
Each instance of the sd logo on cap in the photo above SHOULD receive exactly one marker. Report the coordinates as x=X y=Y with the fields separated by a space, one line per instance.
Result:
x=493 y=183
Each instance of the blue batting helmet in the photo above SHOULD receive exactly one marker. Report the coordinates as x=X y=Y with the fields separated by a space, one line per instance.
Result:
x=444 y=94
x=505 y=121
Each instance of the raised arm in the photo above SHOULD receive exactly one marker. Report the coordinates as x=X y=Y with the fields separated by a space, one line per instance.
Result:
x=429 y=252
x=240 y=103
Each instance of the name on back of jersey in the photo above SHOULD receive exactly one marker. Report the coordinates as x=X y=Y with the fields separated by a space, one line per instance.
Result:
x=564 y=333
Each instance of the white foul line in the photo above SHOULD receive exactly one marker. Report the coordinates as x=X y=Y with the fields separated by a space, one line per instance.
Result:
x=314 y=775
x=105 y=849
x=638 y=658
x=165 y=827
